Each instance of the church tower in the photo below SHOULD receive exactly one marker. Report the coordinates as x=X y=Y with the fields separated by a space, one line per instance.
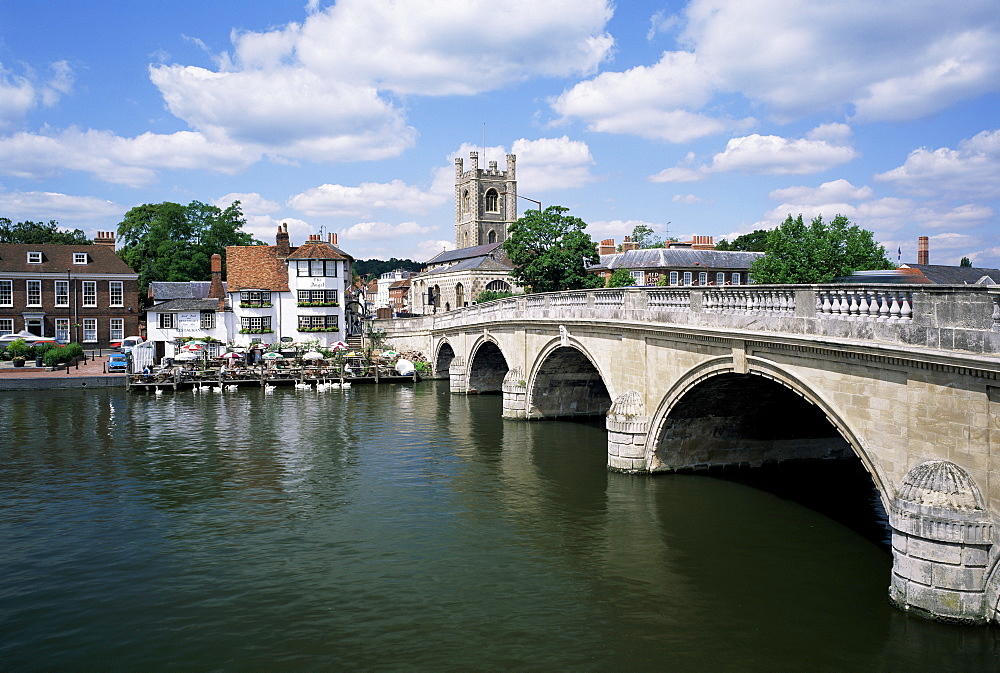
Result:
x=485 y=202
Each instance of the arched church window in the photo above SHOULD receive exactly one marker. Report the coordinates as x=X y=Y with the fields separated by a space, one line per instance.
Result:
x=465 y=201
x=492 y=236
x=492 y=201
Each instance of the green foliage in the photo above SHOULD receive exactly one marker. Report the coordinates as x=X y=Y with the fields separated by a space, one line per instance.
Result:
x=18 y=348
x=818 y=252
x=755 y=241
x=373 y=268
x=965 y=262
x=71 y=350
x=39 y=233
x=620 y=277
x=53 y=357
x=646 y=239
x=551 y=251
x=491 y=295
x=175 y=243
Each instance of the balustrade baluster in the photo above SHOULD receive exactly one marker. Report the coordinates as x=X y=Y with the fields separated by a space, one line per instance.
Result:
x=863 y=306
x=894 y=308
x=906 y=309
x=854 y=309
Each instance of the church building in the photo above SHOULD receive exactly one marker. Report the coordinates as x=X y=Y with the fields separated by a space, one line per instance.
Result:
x=485 y=207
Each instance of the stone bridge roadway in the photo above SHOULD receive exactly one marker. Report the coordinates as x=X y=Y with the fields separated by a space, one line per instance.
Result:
x=903 y=377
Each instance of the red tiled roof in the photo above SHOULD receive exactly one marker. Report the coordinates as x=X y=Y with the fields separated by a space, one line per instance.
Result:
x=318 y=250
x=255 y=267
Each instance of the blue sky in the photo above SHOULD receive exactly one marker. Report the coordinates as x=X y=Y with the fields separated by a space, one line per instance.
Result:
x=707 y=117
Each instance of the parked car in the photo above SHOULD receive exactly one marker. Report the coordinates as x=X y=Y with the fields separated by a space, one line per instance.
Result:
x=45 y=340
x=118 y=362
x=129 y=343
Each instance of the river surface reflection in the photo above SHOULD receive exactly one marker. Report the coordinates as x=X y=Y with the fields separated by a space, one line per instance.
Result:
x=404 y=528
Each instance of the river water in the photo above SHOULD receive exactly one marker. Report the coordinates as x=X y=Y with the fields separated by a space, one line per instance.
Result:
x=399 y=527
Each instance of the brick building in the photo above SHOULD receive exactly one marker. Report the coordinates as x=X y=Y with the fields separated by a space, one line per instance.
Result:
x=82 y=293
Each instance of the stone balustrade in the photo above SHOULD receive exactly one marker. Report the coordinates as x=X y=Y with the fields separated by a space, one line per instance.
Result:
x=965 y=318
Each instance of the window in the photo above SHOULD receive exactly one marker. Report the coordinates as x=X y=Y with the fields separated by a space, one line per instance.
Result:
x=6 y=293
x=62 y=329
x=639 y=277
x=492 y=201
x=62 y=293
x=117 y=331
x=720 y=278
x=117 y=292
x=465 y=201
x=255 y=298
x=317 y=298
x=318 y=323
x=703 y=278
x=34 y=258
x=90 y=293
x=90 y=329
x=491 y=237
x=6 y=326
x=34 y=293
x=79 y=258
x=208 y=319
x=256 y=325
x=498 y=286
x=673 y=278
x=687 y=277
x=317 y=267
x=736 y=279
x=165 y=320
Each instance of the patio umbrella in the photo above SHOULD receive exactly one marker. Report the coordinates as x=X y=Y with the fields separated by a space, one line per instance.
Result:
x=312 y=355
x=339 y=345
x=232 y=356
x=191 y=347
x=187 y=355
x=389 y=354
x=273 y=356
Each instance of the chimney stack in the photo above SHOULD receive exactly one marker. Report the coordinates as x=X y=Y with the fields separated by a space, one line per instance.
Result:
x=629 y=244
x=606 y=247
x=281 y=241
x=923 y=250
x=703 y=243
x=216 y=291
x=331 y=238
x=106 y=238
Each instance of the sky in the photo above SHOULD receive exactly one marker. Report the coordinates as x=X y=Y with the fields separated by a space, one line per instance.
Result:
x=708 y=117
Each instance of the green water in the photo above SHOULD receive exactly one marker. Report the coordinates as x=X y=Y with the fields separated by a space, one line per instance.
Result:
x=403 y=528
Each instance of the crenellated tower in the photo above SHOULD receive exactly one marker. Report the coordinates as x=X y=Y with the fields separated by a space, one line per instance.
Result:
x=485 y=201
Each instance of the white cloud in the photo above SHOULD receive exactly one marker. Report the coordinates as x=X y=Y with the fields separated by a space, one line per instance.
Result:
x=428 y=249
x=382 y=230
x=19 y=94
x=891 y=60
x=686 y=199
x=837 y=190
x=822 y=149
x=971 y=170
x=128 y=161
x=250 y=203
x=340 y=200
x=619 y=229
x=552 y=163
x=64 y=208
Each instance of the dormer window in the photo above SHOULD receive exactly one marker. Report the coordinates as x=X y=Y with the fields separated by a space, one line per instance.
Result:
x=34 y=258
x=79 y=258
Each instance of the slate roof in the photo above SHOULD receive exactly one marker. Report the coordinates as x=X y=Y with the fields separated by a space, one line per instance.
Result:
x=474 y=264
x=464 y=253
x=57 y=258
x=318 y=250
x=195 y=289
x=183 y=305
x=676 y=258
x=256 y=267
x=956 y=275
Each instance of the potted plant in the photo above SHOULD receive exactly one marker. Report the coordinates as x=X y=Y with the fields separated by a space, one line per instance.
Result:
x=18 y=361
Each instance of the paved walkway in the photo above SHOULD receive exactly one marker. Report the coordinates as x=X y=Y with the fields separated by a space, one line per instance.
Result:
x=93 y=367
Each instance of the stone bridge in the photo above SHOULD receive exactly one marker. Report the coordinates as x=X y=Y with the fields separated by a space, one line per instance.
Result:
x=904 y=378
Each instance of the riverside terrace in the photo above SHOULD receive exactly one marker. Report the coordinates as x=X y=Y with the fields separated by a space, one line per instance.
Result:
x=904 y=379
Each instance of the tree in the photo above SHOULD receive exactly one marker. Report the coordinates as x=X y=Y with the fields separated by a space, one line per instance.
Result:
x=620 y=277
x=755 y=241
x=491 y=295
x=175 y=243
x=818 y=252
x=551 y=251
x=37 y=233
x=644 y=236
x=965 y=262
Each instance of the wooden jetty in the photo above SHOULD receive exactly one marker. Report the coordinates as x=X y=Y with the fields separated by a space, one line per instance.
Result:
x=176 y=377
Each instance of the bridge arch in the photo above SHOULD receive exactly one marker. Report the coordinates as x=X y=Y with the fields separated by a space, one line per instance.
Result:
x=788 y=419
x=566 y=381
x=487 y=367
x=443 y=357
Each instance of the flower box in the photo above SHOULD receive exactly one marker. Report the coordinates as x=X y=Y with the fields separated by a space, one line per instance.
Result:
x=256 y=331
x=252 y=305
x=319 y=329
x=318 y=303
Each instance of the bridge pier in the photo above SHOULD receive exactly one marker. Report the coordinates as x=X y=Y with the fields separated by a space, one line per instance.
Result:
x=628 y=430
x=942 y=546
x=515 y=394
x=457 y=375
